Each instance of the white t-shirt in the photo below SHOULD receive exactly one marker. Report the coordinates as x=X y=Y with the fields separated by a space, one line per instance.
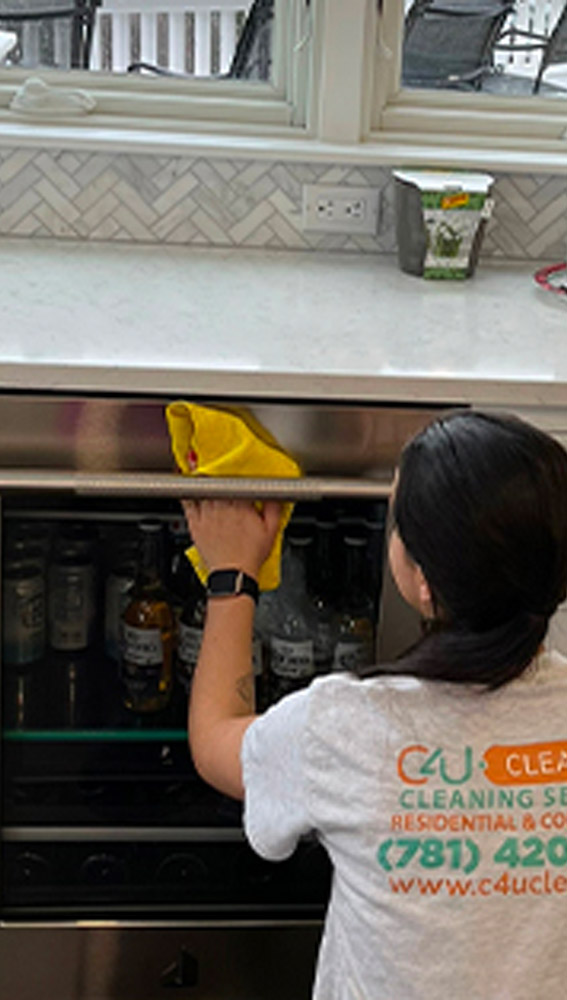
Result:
x=444 y=811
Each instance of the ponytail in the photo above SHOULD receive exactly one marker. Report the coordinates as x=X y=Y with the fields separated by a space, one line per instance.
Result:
x=481 y=508
x=490 y=658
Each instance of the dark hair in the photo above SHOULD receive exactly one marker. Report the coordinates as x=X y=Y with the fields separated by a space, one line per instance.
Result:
x=481 y=507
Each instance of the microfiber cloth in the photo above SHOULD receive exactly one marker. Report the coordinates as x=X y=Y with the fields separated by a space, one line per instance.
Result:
x=210 y=441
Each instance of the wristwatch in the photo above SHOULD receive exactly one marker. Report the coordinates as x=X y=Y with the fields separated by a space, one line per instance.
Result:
x=230 y=583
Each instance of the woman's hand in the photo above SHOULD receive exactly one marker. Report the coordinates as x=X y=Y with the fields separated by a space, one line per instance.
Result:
x=233 y=533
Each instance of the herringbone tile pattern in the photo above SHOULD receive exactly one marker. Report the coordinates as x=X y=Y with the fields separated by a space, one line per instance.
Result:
x=530 y=220
x=231 y=203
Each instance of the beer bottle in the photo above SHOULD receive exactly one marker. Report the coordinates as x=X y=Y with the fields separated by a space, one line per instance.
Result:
x=23 y=605
x=147 y=630
x=323 y=590
x=355 y=613
x=190 y=631
x=291 y=650
x=118 y=592
x=180 y=573
x=72 y=590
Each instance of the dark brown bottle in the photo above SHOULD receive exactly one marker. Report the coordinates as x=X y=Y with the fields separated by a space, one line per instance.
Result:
x=148 y=630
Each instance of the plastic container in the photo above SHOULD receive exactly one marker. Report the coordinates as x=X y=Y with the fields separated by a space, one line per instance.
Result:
x=440 y=221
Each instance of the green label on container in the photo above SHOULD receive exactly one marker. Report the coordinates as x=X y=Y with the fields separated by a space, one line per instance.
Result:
x=451 y=222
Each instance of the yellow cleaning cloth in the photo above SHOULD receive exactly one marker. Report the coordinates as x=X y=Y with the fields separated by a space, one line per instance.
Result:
x=207 y=441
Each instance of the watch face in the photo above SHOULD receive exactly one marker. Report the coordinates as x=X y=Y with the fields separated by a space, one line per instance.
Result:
x=223 y=582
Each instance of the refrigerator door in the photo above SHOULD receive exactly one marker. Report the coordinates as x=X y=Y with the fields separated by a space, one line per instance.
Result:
x=122 y=874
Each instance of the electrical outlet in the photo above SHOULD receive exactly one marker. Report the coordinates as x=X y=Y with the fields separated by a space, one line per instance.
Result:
x=345 y=209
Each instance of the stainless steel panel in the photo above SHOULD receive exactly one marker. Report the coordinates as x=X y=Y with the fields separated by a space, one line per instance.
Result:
x=150 y=485
x=121 y=834
x=98 y=963
x=111 y=435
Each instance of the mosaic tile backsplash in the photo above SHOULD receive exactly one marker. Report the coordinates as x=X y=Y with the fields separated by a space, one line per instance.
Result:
x=238 y=203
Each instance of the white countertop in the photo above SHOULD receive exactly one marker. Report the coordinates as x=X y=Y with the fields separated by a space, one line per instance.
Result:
x=100 y=317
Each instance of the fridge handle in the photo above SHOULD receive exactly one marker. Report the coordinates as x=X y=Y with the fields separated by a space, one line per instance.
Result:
x=165 y=485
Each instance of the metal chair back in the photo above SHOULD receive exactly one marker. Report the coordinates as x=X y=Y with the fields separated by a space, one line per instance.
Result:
x=451 y=43
x=555 y=50
x=253 y=55
x=50 y=35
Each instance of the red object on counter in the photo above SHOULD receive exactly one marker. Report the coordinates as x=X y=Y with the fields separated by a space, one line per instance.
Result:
x=543 y=277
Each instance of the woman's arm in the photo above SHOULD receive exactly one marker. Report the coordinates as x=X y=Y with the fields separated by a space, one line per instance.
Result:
x=228 y=535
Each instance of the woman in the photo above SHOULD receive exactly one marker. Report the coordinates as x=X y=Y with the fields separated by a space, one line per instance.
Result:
x=438 y=788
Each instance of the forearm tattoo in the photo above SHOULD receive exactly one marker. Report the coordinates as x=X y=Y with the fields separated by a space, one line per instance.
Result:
x=245 y=690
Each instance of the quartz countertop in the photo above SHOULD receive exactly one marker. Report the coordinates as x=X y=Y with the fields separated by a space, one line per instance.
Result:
x=242 y=323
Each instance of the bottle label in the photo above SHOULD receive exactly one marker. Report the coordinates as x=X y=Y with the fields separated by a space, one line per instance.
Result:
x=189 y=645
x=24 y=620
x=292 y=659
x=142 y=664
x=71 y=606
x=143 y=646
x=351 y=655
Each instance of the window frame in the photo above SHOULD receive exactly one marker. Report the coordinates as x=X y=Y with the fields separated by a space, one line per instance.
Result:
x=501 y=127
x=335 y=97
x=162 y=103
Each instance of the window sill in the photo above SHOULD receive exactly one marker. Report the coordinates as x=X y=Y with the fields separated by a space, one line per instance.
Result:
x=286 y=144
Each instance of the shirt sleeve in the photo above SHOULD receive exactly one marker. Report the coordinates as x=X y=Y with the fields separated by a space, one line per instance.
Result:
x=276 y=811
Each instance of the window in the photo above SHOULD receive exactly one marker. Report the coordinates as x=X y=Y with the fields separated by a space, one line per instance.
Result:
x=509 y=95
x=112 y=35
x=503 y=47
x=200 y=38
x=329 y=79
x=191 y=61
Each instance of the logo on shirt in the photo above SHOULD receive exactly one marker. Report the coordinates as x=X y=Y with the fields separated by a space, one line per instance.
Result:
x=521 y=764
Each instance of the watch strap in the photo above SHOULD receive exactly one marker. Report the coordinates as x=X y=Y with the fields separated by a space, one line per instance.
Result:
x=231 y=583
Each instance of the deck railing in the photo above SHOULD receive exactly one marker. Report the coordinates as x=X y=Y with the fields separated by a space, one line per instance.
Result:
x=184 y=36
x=199 y=37
x=536 y=16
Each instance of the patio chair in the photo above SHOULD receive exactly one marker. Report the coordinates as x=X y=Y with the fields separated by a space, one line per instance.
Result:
x=553 y=47
x=450 y=43
x=252 y=58
x=253 y=55
x=53 y=36
x=8 y=40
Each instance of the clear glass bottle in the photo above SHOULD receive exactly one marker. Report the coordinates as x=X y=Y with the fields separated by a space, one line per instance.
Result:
x=148 y=629
x=23 y=605
x=323 y=589
x=291 y=644
x=72 y=590
x=355 y=611
x=24 y=698
x=30 y=533
x=73 y=691
x=264 y=619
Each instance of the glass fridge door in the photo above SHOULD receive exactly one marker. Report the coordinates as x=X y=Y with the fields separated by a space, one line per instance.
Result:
x=102 y=808
x=103 y=813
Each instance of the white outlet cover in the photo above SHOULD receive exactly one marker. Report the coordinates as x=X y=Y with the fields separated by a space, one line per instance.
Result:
x=352 y=210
